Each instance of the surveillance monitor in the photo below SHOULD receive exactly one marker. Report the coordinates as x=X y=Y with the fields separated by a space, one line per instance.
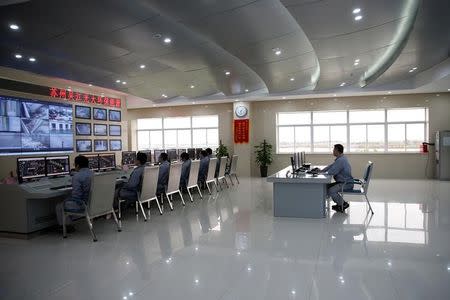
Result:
x=157 y=153
x=100 y=129
x=82 y=112
x=84 y=145
x=191 y=153
x=30 y=167
x=57 y=165
x=198 y=152
x=149 y=155
x=93 y=161
x=128 y=158
x=107 y=161
x=172 y=153
x=100 y=114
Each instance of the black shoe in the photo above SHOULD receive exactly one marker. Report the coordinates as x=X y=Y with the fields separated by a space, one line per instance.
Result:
x=338 y=207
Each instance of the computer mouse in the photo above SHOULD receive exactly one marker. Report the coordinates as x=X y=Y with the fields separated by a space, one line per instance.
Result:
x=124 y=177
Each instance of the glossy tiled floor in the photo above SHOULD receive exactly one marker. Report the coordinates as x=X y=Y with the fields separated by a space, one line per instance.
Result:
x=230 y=247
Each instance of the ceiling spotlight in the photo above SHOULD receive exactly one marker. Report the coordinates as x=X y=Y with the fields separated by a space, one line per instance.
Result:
x=277 y=51
x=124 y=82
x=448 y=90
x=90 y=84
x=236 y=100
x=292 y=79
x=164 y=95
x=356 y=10
x=413 y=69
x=389 y=92
x=192 y=86
x=167 y=40
x=142 y=66
x=227 y=73
x=342 y=84
x=18 y=56
x=193 y=102
x=14 y=26
x=246 y=90
x=118 y=81
x=284 y=98
x=356 y=63
x=32 y=59
x=357 y=18
x=357 y=60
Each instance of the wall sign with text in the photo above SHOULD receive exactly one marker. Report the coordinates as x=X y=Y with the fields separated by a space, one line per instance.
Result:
x=70 y=95
x=241 y=131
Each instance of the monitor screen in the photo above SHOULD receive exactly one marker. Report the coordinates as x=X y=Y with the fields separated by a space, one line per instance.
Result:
x=191 y=152
x=57 y=165
x=156 y=154
x=149 y=155
x=100 y=129
x=115 y=115
x=128 y=158
x=100 y=114
x=198 y=152
x=84 y=145
x=82 y=112
x=115 y=130
x=93 y=161
x=34 y=126
x=179 y=151
x=172 y=153
x=107 y=161
x=100 y=145
x=83 y=128
x=115 y=145
x=30 y=167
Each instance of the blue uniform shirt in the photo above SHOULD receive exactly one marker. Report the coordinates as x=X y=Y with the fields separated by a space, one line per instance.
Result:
x=81 y=185
x=163 y=176
x=340 y=169
x=185 y=170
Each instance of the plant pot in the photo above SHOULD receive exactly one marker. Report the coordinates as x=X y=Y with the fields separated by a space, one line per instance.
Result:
x=263 y=170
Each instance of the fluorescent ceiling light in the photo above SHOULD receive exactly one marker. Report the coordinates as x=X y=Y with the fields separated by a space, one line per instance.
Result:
x=142 y=66
x=18 y=56
x=357 y=10
x=14 y=26
x=32 y=59
x=357 y=18
x=167 y=40
x=342 y=84
x=118 y=80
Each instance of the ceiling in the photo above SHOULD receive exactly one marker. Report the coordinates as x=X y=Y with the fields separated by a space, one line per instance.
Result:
x=221 y=50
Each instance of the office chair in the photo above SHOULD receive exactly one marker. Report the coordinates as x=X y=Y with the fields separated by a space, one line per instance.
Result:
x=211 y=172
x=233 y=167
x=148 y=190
x=221 y=173
x=173 y=186
x=363 y=183
x=193 y=176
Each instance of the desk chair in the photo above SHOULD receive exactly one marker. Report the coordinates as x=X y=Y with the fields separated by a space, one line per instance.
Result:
x=193 y=176
x=233 y=167
x=173 y=186
x=211 y=172
x=221 y=174
x=101 y=198
x=148 y=190
x=363 y=183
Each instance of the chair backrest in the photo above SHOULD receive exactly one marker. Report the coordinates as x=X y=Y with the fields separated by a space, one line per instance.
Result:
x=367 y=175
x=223 y=166
x=149 y=183
x=174 y=177
x=233 y=167
x=211 y=169
x=101 y=195
x=193 y=174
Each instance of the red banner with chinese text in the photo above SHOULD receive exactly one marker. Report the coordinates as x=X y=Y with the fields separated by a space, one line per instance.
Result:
x=69 y=95
x=241 y=131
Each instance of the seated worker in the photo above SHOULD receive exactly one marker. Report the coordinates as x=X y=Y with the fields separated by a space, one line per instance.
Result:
x=185 y=170
x=130 y=190
x=81 y=186
x=203 y=168
x=163 y=176
x=342 y=172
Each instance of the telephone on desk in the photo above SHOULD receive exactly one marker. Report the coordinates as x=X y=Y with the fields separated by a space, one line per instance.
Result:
x=313 y=171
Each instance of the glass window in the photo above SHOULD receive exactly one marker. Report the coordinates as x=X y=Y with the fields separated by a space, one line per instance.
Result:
x=198 y=138
x=338 y=135
x=358 y=138
x=302 y=138
x=184 y=138
x=212 y=136
x=329 y=117
x=296 y=118
x=321 y=138
x=178 y=122
x=170 y=139
x=285 y=140
x=366 y=116
x=396 y=137
x=415 y=135
x=152 y=123
x=205 y=121
x=143 y=138
x=156 y=139
x=375 y=138
x=406 y=115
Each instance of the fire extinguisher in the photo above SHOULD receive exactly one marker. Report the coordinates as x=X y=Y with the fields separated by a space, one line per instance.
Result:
x=424 y=148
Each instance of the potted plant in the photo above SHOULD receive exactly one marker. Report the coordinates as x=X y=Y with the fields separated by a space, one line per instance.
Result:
x=263 y=157
x=222 y=150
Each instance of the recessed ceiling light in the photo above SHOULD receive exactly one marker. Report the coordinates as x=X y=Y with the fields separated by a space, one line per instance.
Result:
x=357 y=18
x=448 y=90
x=227 y=73
x=389 y=92
x=142 y=66
x=342 y=84
x=124 y=82
x=90 y=84
x=14 y=26
x=18 y=56
x=356 y=10
x=32 y=59
x=193 y=102
x=284 y=97
x=167 y=40
x=236 y=100
x=246 y=90
x=356 y=63
x=413 y=69
x=118 y=80
x=334 y=95
x=192 y=86
x=164 y=95
x=277 y=51
x=292 y=79
x=357 y=60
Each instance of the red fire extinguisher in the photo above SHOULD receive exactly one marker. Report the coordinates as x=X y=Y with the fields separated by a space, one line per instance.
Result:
x=424 y=148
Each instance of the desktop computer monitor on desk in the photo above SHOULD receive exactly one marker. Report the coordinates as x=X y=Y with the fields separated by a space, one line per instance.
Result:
x=30 y=168
x=198 y=151
x=172 y=153
x=191 y=153
x=107 y=161
x=57 y=165
x=157 y=153
x=93 y=161
x=128 y=158
x=149 y=155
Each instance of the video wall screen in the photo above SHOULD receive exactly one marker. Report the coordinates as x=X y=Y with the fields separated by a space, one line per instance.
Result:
x=84 y=146
x=115 y=115
x=28 y=125
x=82 y=112
x=100 y=129
x=100 y=145
x=115 y=130
x=115 y=145
x=100 y=114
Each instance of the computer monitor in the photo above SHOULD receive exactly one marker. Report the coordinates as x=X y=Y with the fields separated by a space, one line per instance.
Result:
x=157 y=153
x=93 y=161
x=57 y=165
x=149 y=155
x=128 y=158
x=179 y=151
x=172 y=153
x=30 y=167
x=198 y=151
x=191 y=152
x=107 y=161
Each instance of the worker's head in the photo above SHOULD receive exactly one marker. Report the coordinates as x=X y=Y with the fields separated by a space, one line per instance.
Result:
x=208 y=151
x=338 y=150
x=81 y=162
x=184 y=156
x=141 y=159
x=163 y=156
x=204 y=153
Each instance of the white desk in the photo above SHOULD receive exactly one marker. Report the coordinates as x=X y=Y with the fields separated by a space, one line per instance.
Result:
x=299 y=196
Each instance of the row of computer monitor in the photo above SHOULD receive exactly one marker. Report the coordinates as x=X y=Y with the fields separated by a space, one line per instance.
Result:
x=129 y=157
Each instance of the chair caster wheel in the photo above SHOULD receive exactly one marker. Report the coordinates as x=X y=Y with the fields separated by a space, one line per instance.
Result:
x=120 y=230
x=95 y=240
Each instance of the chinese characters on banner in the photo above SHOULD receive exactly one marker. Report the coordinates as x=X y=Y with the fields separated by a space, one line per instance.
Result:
x=241 y=131
x=84 y=98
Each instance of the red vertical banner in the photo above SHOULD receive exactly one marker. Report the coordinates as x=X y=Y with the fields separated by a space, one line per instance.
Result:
x=242 y=131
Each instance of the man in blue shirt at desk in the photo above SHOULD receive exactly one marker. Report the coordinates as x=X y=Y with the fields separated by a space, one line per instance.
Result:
x=130 y=190
x=163 y=175
x=342 y=173
x=81 y=186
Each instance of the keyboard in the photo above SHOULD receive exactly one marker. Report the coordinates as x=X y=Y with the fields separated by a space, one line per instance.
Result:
x=61 y=187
